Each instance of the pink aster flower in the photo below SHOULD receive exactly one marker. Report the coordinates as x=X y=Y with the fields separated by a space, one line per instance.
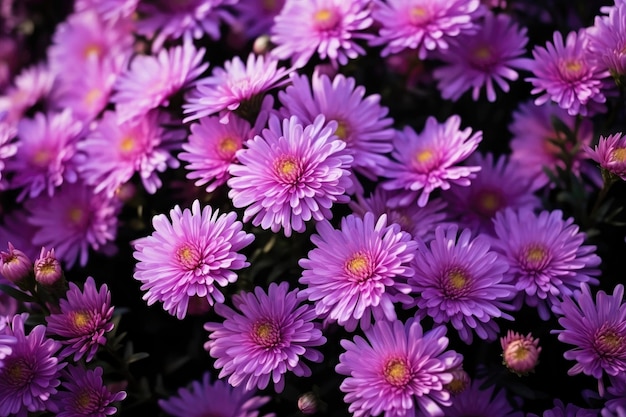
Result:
x=369 y=261
x=597 y=331
x=238 y=87
x=329 y=28
x=564 y=74
x=109 y=10
x=610 y=153
x=73 y=221
x=217 y=398
x=151 y=80
x=255 y=17
x=397 y=369
x=499 y=184
x=546 y=254
x=84 y=318
x=269 y=335
x=8 y=147
x=290 y=174
x=480 y=401
x=83 y=393
x=31 y=372
x=490 y=56
x=607 y=39
x=424 y=25
x=520 y=353
x=425 y=162
x=361 y=121
x=115 y=151
x=45 y=157
x=459 y=280
x=190 y=255
x=30 y=87
x=211 y=149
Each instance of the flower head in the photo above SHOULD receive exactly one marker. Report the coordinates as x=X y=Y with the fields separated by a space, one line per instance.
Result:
x=368 y=261
x=8 y=147
x=109 y=10
x=269 y=334
x=190 y=255
x=610 y=153
x=30 y=87
x=48 y=271
x=255 y=17
x=397 y=369
x=520 y=353
x=567 y=410
x=615 y=405
x=16 y=266
x=478 y=401
x=290 y=174
x=607 y=39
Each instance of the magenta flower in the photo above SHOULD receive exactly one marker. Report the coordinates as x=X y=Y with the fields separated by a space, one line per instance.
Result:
x=459 y=280
x=607 y=39
x=425 y=162
x=115 y=151
x=255 y=17
x=369 y=261
x=610 y=153
x=237 y=87
x=109 y=10
x=565 y=74
x=211 y=149
x=290 y=174
x=30 y=87
x=6 y=345
x=190 y=256
x=397 y=369
x=83 y=393
x=8 y=147
x=217 y=398
x=490 y=56
x=422 y=24
x=361 y=121
x=478 y=401
x=84 y=318
x=546 y=255
x=269 y=335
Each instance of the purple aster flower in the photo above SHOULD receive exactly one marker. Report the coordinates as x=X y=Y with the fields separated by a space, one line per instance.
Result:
x=84 y=318
x=477 y=401
x=615 y=405
x=173 y=19
x=499 y=184
x=565 y=74
x=479 y=60
x=109 y=10
x=255 y=17
x=8 y=147
x=420 y=222
x=238 y=87
x=83 y=393
x=6 y=345
x=425 y=162
x=31 y=86
x=361 y=121
x=397 y=369
x=546 y=255
x=329 y=28
x=291 y=174
x=269 y=335
x=607 y=39
x=597 y=331
x=31 y=372
x=44 y=159
x=369 y=261
x=151 y=80
x=211 y=149
x=424 y=25
x=566 y=410
x=459 y=280
x=610 y=153
x=73 y=221
x=216 y=398
x=114 y=151
x=191 y=255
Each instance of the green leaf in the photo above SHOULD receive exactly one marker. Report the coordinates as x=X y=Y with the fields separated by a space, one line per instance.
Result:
x=137 y=357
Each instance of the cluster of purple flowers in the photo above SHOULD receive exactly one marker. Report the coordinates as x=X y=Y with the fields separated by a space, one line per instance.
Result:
x=350 y=246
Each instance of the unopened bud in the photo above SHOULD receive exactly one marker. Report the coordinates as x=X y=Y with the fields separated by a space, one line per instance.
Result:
x=520 y=353
x=307 y=403
x=261 y=45
x=48 y=269
x=460 y=381
x=17 y=267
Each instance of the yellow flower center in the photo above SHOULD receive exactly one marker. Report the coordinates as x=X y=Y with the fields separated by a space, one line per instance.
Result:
x=418 y=15
x=92 y=96
x=92 y=50
x=228 y=146
x=188 y=257
x=80 y=319
x=266 y=333
x=76 y=215
x=127 y=144
x=325 y=19
x=397 y=372
x=343 y=130
x=618 y=155
x=457 y=279
x=359 y=267
x=424 y=156
x=287 y=169
x=571 y=68
x=489 y=202
x=41 y=158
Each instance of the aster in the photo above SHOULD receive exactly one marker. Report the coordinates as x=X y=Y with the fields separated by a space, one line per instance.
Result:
x=84 y=318
x=6 y=346
x=615 y=405
x=427 y=161
x=109 y=10
x=75 y=220
x=361 y=121
x=564 y=74
x=369 y=262
x=460 y=280
x=215 y=397
x=566 y=410
x=546 y=255
x=520 y=353
x=610 y=153
x=211 y=149
x=422 y=24
x=499 y=184
x=596 y=330
x=190 y=255
x=255 y=17
x=329 y=28
x=8 y=147
x=113 y=152
x=290 y=174
x=31 y=372
x=478 y=401
x=607 y=39
x=490 y=56
x=268 y=335
x=44 y=160
x=31 y=86
x=397 y=369
x=151 y=80
x=237 y=87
